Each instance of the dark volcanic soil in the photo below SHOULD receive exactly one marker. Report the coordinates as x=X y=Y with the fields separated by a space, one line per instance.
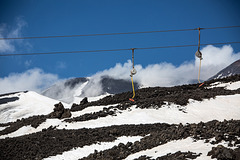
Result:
x=52 y=141
x=155 y=96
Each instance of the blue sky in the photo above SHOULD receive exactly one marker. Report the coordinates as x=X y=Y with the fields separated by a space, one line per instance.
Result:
x=67 y=17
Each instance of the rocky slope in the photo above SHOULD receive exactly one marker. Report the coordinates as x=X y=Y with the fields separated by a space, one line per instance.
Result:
x=181 y=122
x=230 y=70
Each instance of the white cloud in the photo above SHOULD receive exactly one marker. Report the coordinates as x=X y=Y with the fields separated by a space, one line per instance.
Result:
x=5 y=46
x=9 y=45
x=162 y=74
x=166 y=74
x=215 y=59
x=33 y=79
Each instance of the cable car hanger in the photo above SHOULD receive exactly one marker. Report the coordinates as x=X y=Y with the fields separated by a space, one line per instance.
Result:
x=133 y=72
x=199 y=55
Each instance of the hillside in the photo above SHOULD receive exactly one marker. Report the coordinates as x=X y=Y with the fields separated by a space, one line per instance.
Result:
x=232 y=69
x=181 y=122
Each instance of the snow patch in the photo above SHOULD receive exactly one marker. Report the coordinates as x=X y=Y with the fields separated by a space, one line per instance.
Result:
x=2 y=128
x=81 y=152
x=25 y=130
x=29 y=104
x=228 y=86
x=196 y=112
x=78 y=99
x=20 y=132
x=183 y=145
x=90 y=110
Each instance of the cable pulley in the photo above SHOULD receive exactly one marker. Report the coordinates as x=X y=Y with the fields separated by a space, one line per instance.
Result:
x=199 y=55
x=133 y=72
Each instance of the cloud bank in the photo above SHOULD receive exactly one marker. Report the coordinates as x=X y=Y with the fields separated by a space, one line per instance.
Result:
x=33 y=79
x=166 y=74
x=162 y=74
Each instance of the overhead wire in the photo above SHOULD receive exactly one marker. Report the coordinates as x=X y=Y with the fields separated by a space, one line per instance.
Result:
x=115 y=50
x=108 y=34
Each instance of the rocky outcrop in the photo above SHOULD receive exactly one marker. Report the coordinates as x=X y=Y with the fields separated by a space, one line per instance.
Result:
x=222 y=153
x=60 y=112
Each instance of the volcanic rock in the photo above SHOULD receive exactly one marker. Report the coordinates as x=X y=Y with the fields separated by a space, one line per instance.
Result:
x=222 y=153
x=60 y=112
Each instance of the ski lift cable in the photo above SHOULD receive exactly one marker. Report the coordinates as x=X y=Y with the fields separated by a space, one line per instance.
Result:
x=133 y=58
x=114 y=50
x=113 y=34
x=199 y=39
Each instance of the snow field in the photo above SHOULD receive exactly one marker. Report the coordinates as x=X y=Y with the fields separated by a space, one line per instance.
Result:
x=29 y=104
x=90 y=109
x=29 y=130
x=183 y=145
x=81 y=152
x=219 y=108
x=228 y=86
x=2 y=128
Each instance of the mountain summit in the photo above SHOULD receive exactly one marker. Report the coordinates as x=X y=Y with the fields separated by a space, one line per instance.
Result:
x=230 y=70
x=71 y=89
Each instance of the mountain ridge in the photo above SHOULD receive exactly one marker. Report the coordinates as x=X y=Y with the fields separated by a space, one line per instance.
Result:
x=105 y=85
x=230 y=70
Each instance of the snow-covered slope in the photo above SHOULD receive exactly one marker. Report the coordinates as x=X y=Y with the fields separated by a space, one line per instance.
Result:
x=194 y=112
x=66 y=91
x=182 y=122
x=24 y=104
x=230 y=70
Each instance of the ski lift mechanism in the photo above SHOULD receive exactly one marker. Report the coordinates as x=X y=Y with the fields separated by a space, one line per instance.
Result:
x=197 y=54
x=133 y=72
